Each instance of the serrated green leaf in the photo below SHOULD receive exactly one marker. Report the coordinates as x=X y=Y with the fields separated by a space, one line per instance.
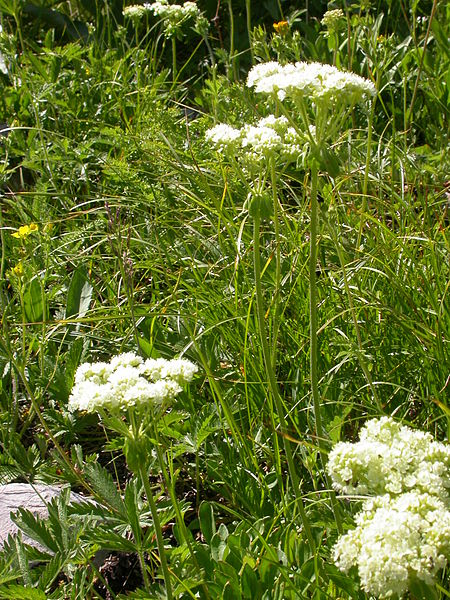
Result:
x=35 y=527
x=131 y=502
x=20 y=592
x=104 y=486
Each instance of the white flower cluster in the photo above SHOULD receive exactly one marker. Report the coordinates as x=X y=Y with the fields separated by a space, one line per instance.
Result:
x=128 y=380
x=136 y=11
x=396 y=538
x=332 y=19
x=271 y=135
x=320 y=82
x=173 y=15
x=391 y=459
x=404 y=531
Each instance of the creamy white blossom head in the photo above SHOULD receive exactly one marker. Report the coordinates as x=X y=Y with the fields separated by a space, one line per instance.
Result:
x=127 y=381
x=174 y=15
x=315 y=80
x=270 y=136
x=136 y=11
x=396 y=540
x=391 y=458
x=223 y=136
x=333 y=19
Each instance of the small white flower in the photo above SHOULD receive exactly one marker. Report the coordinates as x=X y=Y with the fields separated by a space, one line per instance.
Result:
x=391 y=458
x=222 y=136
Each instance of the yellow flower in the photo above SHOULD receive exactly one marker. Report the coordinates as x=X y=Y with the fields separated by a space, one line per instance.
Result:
x=25 y=231
x=282 y=27
x=18 y=269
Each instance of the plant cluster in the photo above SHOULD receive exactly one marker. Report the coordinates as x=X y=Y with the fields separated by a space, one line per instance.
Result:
x=261 y=191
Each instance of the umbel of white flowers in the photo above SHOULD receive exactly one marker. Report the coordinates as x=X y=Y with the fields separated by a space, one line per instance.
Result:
x=174 y=15
x=317 y=81
x=270 y=136
x=136 y=11
x=128 y=381
x=403 y=532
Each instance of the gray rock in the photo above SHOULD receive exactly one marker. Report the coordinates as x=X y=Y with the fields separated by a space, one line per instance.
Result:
x=33 y=497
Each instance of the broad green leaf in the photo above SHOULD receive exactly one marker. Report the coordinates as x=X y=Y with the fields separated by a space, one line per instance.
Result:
x=79 y=294
x=131 y=502
x=207 y=521
x=249 y=582
x=33 y=301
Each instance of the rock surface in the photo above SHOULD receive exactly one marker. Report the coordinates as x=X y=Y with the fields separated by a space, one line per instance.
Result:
x=33 y=497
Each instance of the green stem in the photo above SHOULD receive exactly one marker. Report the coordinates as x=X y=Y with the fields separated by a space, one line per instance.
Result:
x=313 y=354
x=313 y=305
x=277 y=289
x=273 y=386
x=366 y=174
x=158 y=532
x=249 y=28
x=422 y=58
x=232 y=61
x=174 y=58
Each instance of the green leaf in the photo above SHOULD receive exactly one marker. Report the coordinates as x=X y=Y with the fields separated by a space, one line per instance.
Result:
x=207 y=521
x=249 y=582
x=420 y=589
x=33 y=301
x=75 y=30
x=20 y=592
x=35 y=527
x=104 y=485
x=131 y=500
x=231 y=591
x=79 y=294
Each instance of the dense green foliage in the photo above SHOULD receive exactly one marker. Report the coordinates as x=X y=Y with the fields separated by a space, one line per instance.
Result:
x=144 y=242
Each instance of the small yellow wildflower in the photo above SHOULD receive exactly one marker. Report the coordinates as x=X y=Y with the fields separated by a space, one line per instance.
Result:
x=25 y=231
x=381 y=39
x=18 y=269
x=282 y=27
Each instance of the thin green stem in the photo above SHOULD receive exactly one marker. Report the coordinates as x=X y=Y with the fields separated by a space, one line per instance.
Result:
x=273 y=386
x=249 y=28
x=174 y=58
x=170 y=485
x=313 y=306
x=232 y=59
x=366 y=174
x=158 y=532
x=277 y=288
x=422 y=58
